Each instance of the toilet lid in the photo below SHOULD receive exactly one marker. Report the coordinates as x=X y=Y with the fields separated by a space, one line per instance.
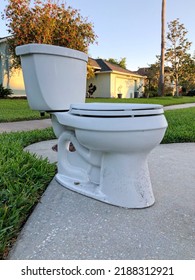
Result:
x=115 y=109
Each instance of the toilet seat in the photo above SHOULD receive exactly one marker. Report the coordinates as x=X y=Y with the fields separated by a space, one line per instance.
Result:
x=115 y=110
x=112 y=116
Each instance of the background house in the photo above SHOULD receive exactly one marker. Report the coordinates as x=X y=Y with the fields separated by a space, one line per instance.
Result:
x=12 y=79
x=152 y=73
x=111 y=80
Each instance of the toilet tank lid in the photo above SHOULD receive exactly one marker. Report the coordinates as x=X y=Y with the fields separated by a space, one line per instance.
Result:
x=115 y=109
x=50 y=49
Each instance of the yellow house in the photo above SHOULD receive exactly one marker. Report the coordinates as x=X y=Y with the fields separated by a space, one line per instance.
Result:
x=113 y=81
x=110 y=80
x=12 y=79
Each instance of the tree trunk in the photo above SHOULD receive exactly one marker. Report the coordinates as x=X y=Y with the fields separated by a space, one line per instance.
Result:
x=177 y=86
x=162 y=58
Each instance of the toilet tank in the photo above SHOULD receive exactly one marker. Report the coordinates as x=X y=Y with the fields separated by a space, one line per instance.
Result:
x=54 y=76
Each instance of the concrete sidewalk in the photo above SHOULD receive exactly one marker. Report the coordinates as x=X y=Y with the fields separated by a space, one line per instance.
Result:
x=67 y=225
x=25 y=125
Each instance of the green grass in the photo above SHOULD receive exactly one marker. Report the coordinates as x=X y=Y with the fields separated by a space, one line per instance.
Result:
x=165 y=101
x=23 y=178
x=181 y=126
x=18 y=109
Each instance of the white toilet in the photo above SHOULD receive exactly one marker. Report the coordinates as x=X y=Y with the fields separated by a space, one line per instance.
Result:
x=112 y=141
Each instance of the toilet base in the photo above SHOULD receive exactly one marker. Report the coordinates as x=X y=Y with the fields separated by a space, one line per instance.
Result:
x=86 y=188
x=120 y=179
x=94 y=191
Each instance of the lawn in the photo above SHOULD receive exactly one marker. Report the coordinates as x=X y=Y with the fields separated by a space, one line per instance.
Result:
x=181 y=126
x=18 y=109
x=24 y=177
x=165 y=101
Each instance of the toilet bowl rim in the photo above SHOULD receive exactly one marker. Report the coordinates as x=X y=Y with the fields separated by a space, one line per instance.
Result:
x=114 y=124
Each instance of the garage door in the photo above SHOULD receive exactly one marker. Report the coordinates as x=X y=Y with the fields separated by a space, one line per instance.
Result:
x=125 y=86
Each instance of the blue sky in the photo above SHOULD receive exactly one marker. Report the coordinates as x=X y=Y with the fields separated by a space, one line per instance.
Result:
x=129 y=28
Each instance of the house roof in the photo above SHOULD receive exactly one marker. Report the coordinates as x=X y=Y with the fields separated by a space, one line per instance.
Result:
x=143 y=71
x=106 y=66
x=93 y=63
x=4 y=39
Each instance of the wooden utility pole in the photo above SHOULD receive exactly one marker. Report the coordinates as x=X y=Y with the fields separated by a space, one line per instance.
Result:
x=162 y=57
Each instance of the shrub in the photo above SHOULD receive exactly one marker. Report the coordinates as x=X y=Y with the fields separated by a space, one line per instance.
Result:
x=150 y=93
x=4 y=92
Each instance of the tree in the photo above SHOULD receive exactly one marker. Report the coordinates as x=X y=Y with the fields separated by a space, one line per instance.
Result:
x=153 y=75
x=46 y=22
x=176 y=55
x=121 y=62
x=162 y=57
x=187 y=80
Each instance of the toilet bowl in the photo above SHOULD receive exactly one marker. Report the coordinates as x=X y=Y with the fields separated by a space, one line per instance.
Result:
x=112 y=141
